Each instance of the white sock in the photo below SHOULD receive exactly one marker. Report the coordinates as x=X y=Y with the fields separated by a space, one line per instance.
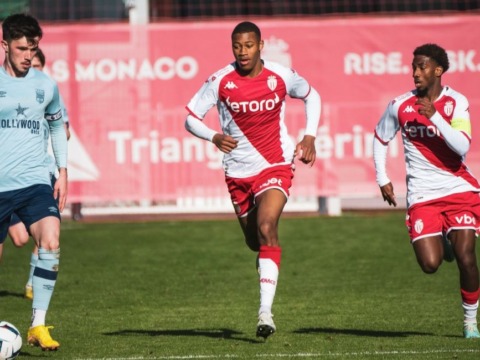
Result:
x=268 y=271
x=470 y=313
x=38 y=317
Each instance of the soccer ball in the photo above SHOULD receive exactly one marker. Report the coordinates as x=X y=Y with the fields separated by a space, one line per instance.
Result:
x=10 y=341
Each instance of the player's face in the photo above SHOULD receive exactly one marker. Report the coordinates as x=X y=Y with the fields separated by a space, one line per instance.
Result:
x=36 y=64
x=19 y=54
x=246 y=49
x=426 y=72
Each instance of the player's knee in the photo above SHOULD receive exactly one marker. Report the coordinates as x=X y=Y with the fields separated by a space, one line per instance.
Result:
x=50 y=243
x=429 y=267
x=19 y=236
x=20 y=240
x=268 y=231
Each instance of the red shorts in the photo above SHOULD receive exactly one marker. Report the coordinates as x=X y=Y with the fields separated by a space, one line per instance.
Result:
x=440 y=216
x=243 y=191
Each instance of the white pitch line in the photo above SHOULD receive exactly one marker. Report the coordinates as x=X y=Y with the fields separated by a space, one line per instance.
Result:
x=298 y=355
x=370 y=353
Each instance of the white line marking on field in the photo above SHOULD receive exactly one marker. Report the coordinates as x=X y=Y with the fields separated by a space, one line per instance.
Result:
x=298 y=355
x=370 y=353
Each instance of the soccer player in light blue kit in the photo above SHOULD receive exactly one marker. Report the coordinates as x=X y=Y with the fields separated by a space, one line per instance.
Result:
x=17 y=230
x=27 y=97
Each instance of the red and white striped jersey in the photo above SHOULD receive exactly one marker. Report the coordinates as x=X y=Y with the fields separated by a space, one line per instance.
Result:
x=433 y=169
x=252 y=111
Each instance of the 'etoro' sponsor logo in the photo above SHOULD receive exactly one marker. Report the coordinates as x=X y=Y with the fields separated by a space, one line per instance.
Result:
x=253 y=105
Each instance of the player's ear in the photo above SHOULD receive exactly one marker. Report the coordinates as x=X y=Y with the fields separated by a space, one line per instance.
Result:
x=438 y=71
x=261 y=45
x=5 y=45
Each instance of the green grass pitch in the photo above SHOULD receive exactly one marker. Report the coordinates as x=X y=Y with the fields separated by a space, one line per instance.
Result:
x=349 y=288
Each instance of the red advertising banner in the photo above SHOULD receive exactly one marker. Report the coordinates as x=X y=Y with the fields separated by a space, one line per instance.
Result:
x=126 y=88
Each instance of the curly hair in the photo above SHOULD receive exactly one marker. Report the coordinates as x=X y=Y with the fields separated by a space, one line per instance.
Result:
x=16 y=26
x=246 y=27
x=435 y=52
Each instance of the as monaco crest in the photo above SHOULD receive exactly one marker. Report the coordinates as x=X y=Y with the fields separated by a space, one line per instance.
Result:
x=419 y=226
x=448 y=108
x=272 y=82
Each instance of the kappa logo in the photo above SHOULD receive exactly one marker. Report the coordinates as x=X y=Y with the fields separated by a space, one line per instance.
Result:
x=3 y=94
x=418 y=226
x=230 y=85
x=409 y=109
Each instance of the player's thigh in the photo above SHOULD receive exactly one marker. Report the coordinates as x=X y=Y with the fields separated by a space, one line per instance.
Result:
x=463 y=242
x=271 y=191
x=270 y=204
x=429 y=250
x=46 y=232
x=425 y=228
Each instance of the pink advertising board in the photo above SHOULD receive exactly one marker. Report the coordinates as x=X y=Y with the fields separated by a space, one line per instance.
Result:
x=126 y=89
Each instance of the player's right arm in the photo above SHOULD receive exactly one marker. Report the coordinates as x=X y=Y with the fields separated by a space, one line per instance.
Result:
x=385 y=131
x=197 y=108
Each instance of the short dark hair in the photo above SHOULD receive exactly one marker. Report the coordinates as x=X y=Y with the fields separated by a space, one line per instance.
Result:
x=435 y=52
x=17 y=26
x=41 y=56
x=246 y=27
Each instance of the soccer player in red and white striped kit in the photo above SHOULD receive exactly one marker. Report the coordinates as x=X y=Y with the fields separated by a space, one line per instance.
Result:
x=258 y=152
x=443 y=204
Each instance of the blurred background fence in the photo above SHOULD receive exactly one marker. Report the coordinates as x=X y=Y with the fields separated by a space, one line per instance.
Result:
x=128 y=68
x=161 y=10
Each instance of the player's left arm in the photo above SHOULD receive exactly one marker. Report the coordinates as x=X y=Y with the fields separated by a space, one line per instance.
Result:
x=59 y=144
x=300 y=88
x=305 y=149
x=66 y=120
x=457 y=134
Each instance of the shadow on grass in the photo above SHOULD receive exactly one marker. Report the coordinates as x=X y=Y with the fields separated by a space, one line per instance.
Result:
x=371 y=333
x=226 y=334
x=5 y=293
x=43 y=354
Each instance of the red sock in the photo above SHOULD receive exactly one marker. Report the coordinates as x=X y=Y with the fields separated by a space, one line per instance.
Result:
x=271 y=252
x=470 y=297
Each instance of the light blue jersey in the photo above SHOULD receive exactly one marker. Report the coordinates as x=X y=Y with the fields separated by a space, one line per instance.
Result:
x=24 y=104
